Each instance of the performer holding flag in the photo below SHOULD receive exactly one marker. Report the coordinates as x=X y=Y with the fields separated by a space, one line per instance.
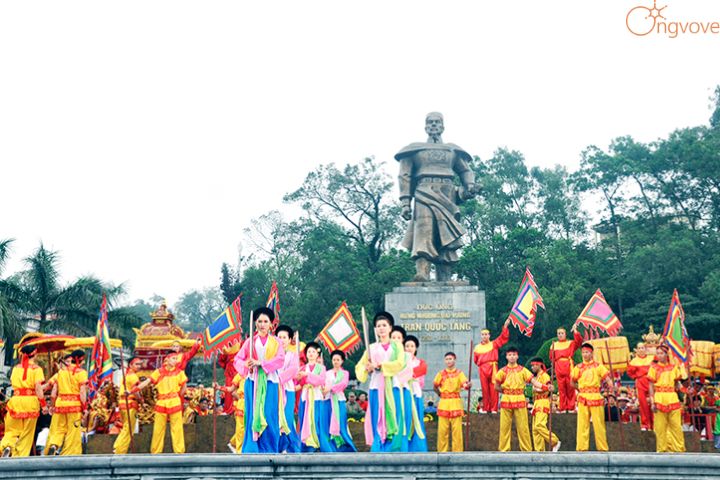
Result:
x=664 y=382
x=542 y=390
x=381 y=362
x=289 y=442
x=259 y=360
x=418 y=438
x=336 y=381
x=485 y=356
x=561 y=358
x=128 y=406
x=664 y=378
x=588 y=377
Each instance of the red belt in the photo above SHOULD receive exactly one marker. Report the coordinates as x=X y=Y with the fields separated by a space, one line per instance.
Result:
x=449 y=395
x=69 y=397
x=25 y=392
x=513 y=391
x=542 y=396
x=167 y=396
x=664 y=389
x=590 y=390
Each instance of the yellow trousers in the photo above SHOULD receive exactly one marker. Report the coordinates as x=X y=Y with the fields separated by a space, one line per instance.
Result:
x=521 y=425
x=176 y=431
x=237 y=440
x=541 y=433
x=19 y=435
x=122 y=442
x=65 y=433
x=668 y=431
x=584 y=415
x=448 y=427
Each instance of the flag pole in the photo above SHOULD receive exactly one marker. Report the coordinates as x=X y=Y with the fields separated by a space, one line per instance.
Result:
x=366 y=334
x=467 y=425
x=612 y=379
x=131 y=427
x=213 y=357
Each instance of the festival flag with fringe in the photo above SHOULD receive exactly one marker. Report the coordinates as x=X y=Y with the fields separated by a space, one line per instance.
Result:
x=273 y=303
x=524 y=310
x=597 y=316
x=675 y=334
x=225 y=330
x=100 y=359
x=341 y=332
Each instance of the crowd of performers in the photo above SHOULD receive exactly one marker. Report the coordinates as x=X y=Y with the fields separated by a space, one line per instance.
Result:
x=270 y=374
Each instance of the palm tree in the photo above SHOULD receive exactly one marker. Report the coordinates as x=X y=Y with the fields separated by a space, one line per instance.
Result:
x=11 y=328
x=73 y=308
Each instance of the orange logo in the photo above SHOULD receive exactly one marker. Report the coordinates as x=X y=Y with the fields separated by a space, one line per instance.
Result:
x=642 y=21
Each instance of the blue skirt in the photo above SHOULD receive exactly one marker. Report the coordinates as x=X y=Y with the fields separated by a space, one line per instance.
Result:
x=348 y=446
x=390 y=444
x=321 y=427
x=290 y=443
x=416 y=443
x=268 y=442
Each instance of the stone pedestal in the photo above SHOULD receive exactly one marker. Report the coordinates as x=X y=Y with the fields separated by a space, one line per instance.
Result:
x=444 y=316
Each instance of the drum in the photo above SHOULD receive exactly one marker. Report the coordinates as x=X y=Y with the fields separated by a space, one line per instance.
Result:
x=702 y=360
x=612 y=352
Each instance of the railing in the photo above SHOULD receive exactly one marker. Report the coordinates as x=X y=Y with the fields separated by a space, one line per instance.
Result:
x=703 y=423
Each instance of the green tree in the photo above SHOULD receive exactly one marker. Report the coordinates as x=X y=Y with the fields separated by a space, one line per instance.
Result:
x=196 y=309
x=356 y=197
x=561 y=214
x=42 y=299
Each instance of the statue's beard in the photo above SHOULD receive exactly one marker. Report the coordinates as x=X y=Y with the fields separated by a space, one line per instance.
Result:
x=434 y=137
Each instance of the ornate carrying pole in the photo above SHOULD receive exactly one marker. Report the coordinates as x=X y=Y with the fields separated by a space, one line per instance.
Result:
x=127 y=403
x=612 y=379
x=214 y=360
x=552 y=383
x=467 y=425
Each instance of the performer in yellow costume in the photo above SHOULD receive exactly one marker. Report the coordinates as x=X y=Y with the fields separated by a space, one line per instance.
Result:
x=128 y=409
x=664 y=381
x=70 y=393
x=237 y=388
x=510 y=381
x=23 y=409
x=448 y=384
x=587 y=378
x=170 y=382
x=542 y=389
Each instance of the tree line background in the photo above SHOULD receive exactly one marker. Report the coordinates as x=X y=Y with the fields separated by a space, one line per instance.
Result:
x=656 y=207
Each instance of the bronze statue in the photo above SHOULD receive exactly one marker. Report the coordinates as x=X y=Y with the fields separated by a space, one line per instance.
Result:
x=427 y=172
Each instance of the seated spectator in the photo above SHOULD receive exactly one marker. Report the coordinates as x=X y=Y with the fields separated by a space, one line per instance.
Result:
x=354 y=410
x=623 y=404
x=611 y=410
x=697 y=415
x=431 y=408
x=362 y=401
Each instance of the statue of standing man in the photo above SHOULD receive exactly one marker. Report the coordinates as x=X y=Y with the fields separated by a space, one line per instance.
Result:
x=427 y=171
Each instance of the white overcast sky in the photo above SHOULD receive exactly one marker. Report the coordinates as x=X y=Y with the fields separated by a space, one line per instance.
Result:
x=140 y=138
